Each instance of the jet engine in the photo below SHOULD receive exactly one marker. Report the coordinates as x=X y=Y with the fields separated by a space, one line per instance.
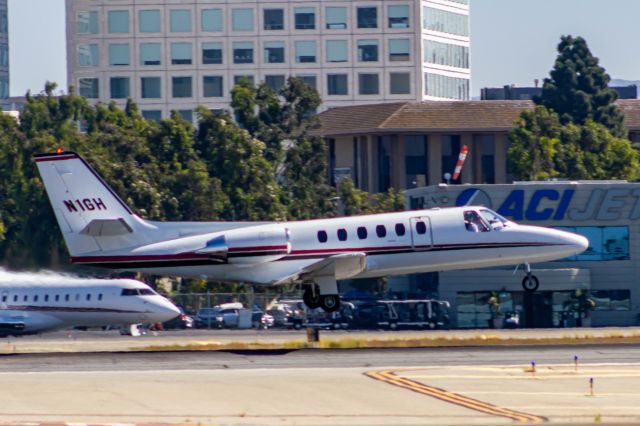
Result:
x=249 y=245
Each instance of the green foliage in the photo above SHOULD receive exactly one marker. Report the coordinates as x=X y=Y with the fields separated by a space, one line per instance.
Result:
x=355 y=201
x=575 y=131
x=578 y=90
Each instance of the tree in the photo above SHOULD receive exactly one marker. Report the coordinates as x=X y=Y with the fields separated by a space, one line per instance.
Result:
x=578 y=90
x=355 y=201
x=575 y=131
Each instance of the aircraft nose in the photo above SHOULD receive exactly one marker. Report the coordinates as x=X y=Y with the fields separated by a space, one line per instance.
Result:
x=165 y=311
x=578 y=243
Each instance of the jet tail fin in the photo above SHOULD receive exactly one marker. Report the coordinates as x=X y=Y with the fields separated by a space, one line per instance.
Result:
x=91 y=216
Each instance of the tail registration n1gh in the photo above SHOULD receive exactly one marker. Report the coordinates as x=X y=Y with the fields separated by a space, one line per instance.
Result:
x=101 y=230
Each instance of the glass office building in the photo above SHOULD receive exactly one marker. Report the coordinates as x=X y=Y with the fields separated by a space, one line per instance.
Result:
x=169 y=55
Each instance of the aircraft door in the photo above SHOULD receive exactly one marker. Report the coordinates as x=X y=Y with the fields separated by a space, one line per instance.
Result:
x=421 y=235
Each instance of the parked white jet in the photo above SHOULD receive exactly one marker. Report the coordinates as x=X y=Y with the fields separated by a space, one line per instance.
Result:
x=32 y=304
x=101 y=230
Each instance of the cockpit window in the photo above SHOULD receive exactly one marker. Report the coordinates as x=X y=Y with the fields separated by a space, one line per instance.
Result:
x=495 y=220
x=129 y=292
x=147 y=292
x=474 y=223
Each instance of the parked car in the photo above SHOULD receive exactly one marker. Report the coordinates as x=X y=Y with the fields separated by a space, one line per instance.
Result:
x=261 y=319
x=182 y=321
x=207 y=318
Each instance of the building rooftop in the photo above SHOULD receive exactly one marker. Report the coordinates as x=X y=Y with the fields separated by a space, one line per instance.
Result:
x=436 y=116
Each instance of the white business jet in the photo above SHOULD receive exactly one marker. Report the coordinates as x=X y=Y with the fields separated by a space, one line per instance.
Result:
x=33 y=304
x=101 y=230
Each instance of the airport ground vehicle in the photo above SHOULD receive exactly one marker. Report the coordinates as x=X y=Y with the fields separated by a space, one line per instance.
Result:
x=419 y=313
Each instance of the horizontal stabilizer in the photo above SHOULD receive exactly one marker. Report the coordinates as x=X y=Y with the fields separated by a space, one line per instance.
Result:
x=107 y=228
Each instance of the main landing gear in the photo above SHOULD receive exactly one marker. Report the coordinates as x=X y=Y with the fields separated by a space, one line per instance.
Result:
x=313 y=298
x=530 y=283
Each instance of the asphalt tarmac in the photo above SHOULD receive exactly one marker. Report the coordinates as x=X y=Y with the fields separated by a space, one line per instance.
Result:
x=438 y=386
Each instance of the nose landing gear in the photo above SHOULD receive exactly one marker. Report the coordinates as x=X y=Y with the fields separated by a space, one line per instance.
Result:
x=530 y=283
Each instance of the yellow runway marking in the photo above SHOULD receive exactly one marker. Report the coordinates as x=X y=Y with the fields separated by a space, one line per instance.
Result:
x=390 y=376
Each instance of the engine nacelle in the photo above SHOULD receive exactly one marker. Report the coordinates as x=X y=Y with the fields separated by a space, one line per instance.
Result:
x=250 y=245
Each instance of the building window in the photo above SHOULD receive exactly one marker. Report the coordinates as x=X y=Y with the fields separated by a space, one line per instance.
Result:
x=443 y=86
x=337 y=51
x=399 y=49
x=181 y=87
x=237 y=79
x=181 y=54
x=211 y=53
x=86 y=22
x=384 y=163
x=242 y=52
x=305 y=18
x=273 y=52
x=150 y=87
x=368 y=84
x=445 y=22
x=415 y=160
x=152 y=115
x=242 y=19
x=305 y=52
x=89 y=88
x=180 y=21
x=485 y=145
x=150 y=54
x=310 y=80
x=605 y=242
x=452 y=55
x=119 y=87
x=149 y=21
x=342 y=234
x=322 y=236
x=273 y=19
x=367 y=50
x=399 y=16
x=336 y=18
x=186 y=114
x=119 y=54
x=4 y=55
x=367 y=17
x=212 y=86
x=88 y=55
x=211 y=20
x=399 y=83
x=4 y=23
x=118 y=21
x=337 y=84
x=612 y=300
x=450 y=149
x=275 y=82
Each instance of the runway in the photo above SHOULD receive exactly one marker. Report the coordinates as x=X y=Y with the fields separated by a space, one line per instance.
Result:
x=453 y=386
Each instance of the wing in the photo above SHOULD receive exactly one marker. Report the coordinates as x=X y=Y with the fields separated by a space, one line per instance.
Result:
x=341 y=266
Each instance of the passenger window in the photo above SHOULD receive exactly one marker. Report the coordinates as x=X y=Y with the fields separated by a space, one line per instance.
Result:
x=100 y=296
x=35 y=298
x=15 y=298
x=381 y=231
x=26 y=298
x=342 y=234
x=88 y=297
x=400 y=231
x=46 y=297
x=66 y=298
x=4 y=298
x=322 y=236
x=57 y=298
x=362 y=232
x=421 y=228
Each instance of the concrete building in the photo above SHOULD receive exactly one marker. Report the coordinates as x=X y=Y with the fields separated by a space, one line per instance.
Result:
x=406 y=145
x=4 y=52
x=527 y=93
x=168 y=54
x=607 y=213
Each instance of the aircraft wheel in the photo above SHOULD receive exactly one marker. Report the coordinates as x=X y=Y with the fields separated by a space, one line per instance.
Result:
x=330 y=302
x=311 y=298
x=393 y=325
x=530 y=283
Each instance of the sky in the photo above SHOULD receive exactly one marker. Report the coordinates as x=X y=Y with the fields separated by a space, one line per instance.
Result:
x=512 y=41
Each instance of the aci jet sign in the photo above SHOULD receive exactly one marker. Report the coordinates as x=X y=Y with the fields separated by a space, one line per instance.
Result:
x=552 y=204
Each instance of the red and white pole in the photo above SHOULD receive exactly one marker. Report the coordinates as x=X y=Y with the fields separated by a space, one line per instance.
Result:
x=463 y=156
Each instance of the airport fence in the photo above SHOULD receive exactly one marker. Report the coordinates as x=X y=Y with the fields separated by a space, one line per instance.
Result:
x=192 y=302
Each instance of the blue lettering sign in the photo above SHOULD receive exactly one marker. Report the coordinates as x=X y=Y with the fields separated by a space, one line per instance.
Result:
x=532 y=211
x=564 y=204
x=513 y=205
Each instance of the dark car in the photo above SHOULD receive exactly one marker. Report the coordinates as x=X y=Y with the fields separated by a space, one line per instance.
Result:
x=182 y=321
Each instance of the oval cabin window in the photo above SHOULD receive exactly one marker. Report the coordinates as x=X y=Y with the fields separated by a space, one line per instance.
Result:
x=342 y=234
x=362 y=232
x=322 y=236
x=381 y=231
x=400 y=231
x=421 y=228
